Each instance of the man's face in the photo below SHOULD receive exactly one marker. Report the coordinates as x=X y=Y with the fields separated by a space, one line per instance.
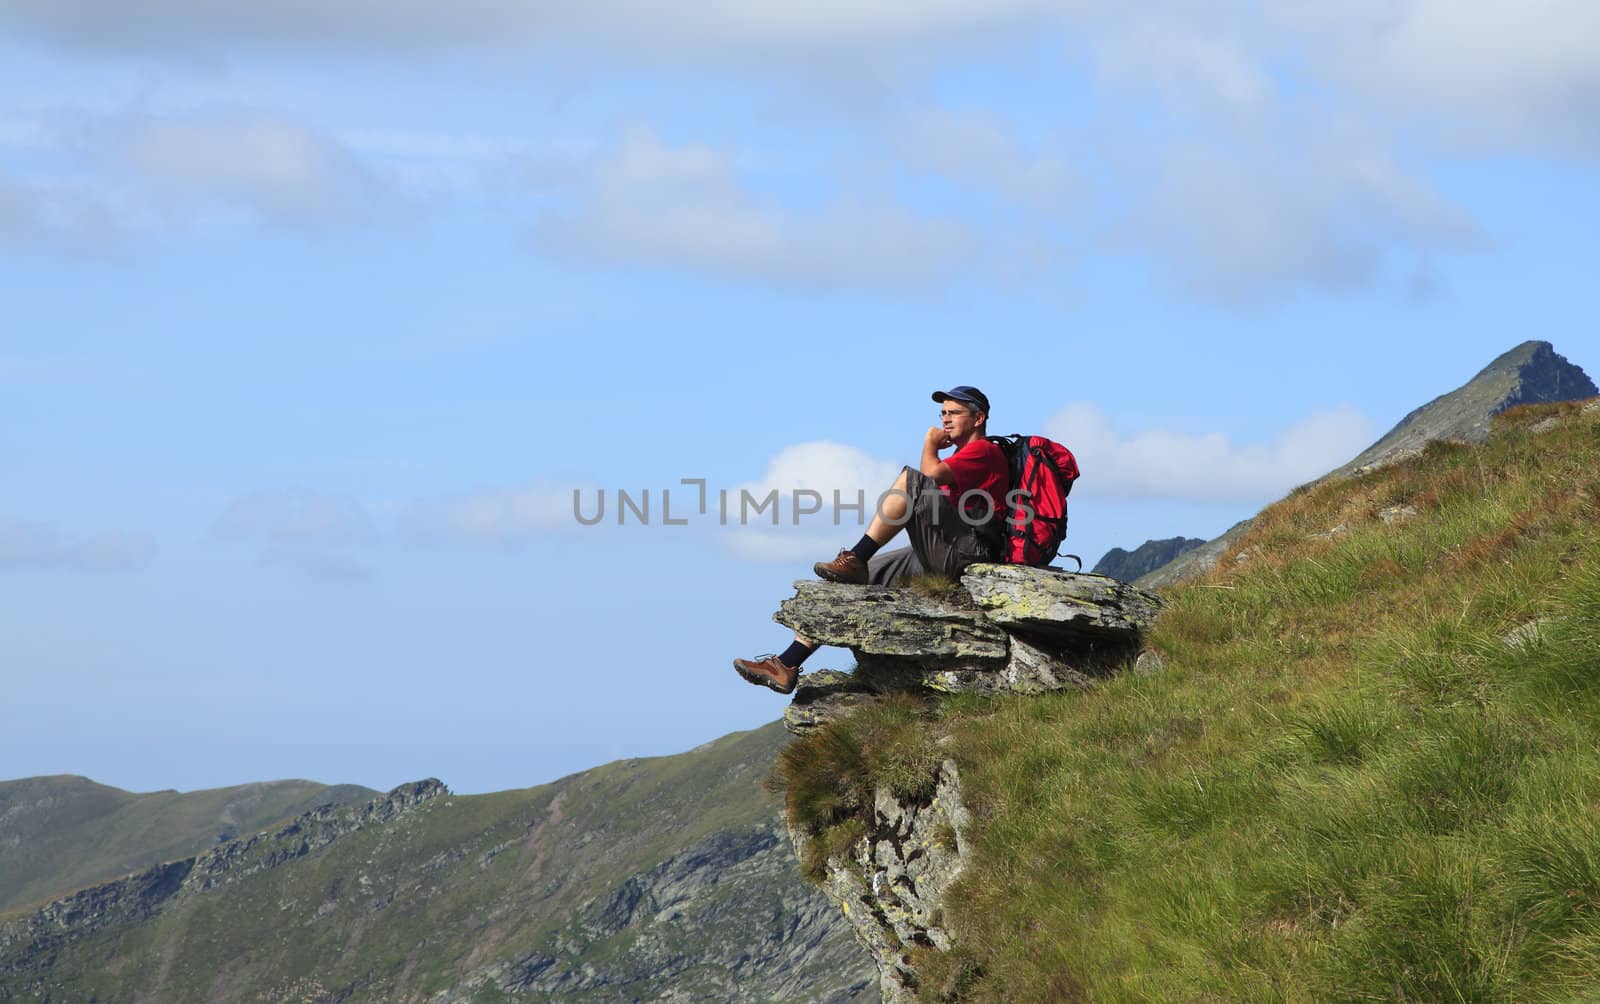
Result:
x=957 y=419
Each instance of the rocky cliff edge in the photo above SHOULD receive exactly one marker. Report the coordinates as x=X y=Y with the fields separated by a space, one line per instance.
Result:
x=1003 y=629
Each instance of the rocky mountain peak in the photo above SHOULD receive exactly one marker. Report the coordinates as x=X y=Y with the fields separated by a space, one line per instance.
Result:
x=1531 y=373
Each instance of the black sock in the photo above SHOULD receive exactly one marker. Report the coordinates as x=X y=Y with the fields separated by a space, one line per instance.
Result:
x=795 y=654
x=866 y=547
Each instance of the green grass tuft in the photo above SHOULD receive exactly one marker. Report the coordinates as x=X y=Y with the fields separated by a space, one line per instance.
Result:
x=830 y=778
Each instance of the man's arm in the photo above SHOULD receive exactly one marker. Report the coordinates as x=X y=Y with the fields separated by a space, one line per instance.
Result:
x=932 y=466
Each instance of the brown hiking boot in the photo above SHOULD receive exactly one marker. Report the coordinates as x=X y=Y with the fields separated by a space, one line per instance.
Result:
x=847 y=568
x=768 y=671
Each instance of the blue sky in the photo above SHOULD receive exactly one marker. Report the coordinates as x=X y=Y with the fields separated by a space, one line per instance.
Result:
x=317 y=314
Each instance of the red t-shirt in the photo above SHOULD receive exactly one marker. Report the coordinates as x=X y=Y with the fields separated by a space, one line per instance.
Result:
x=978 y=465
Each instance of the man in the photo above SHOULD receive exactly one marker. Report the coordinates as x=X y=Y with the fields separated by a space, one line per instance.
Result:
x=950 y=509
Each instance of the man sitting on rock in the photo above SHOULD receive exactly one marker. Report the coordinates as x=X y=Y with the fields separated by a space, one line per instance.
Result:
x=951 y=511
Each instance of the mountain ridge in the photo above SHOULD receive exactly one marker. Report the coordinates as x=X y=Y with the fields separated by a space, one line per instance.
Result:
x=670 y=871
x=1529 y=373
x=1147 y=557
x=63 y=832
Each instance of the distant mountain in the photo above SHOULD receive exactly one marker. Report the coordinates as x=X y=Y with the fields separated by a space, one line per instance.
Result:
x=668 y=878
x=1531 y=373
x=1195 y=561
x=1147 y=557
x=64 y=832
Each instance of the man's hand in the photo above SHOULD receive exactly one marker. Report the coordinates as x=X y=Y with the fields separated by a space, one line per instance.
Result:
x=931 y=465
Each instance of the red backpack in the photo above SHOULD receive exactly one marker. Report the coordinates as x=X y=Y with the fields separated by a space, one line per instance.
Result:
x=1042 y=473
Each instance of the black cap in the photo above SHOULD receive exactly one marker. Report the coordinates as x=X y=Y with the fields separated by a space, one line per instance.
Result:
x=966 y=395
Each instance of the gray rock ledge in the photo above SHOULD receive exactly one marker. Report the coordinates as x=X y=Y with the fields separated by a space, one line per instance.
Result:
x=1062 y=605
x=1007 y=629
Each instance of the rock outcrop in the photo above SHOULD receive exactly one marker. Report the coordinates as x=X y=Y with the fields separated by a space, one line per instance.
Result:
x=653 y=927
x=892 y=885
x=1004 y=629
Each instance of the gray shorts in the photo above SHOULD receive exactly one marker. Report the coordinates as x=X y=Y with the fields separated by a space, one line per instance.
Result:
x=941 y=541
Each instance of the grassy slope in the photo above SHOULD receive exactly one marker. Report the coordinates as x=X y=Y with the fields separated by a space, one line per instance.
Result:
x=61 y=833
x=1345 y=785
x=400 y=912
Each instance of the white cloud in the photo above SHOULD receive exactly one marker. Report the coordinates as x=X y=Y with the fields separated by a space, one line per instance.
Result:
x=781 y=24
x=1250 y=191
x=320 y=535
x=98 y=178
x=1520 y=76
x=978 y=149
x=1529 y=70
x=1205 y=467
x=1264 y=216
x=1524 y=73
x=1197 y=64
x=787 y=544
x=1259 y=178
x=244 y=158
x=823 y=468
x=34 y=544
x=753 y=519
x=647 y=203
x=410 y=25
x=503 y=517
x=1254 y=150
x=64 y=215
